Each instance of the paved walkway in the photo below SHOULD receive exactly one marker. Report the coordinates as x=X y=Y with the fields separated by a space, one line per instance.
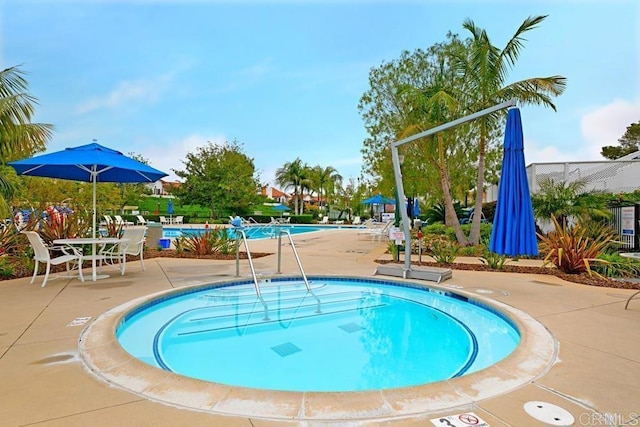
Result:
x=44 y=382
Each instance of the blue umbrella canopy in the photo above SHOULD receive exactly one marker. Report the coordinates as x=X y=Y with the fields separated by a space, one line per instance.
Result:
x=89 y=163
x=378 y=199
x=281 y=208
x=514 y=231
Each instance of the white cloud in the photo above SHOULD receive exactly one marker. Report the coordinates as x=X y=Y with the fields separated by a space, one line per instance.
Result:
x=605 y=125
x=172 y=154
x=148 y=91
x=599 y=127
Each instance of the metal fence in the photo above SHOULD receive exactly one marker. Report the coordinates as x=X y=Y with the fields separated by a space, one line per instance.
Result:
x=626 y=221
x=611 y=176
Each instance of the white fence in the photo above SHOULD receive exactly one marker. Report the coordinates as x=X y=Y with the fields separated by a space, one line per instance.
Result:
x=611 y=176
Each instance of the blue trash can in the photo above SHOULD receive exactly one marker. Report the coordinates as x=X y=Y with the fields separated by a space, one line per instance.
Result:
x=164 y=243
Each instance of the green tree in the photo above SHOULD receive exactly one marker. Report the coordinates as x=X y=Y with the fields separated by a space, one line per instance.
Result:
x=325 y=180
x=417 y=92
x=629 y=143
x=294 y=174
x=220 y=176
x=485 y=68
x=19 y=138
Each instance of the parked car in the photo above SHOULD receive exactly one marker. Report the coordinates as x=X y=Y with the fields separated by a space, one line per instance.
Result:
x=467 y=216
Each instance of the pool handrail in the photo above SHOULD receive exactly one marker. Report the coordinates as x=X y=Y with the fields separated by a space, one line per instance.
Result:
x=253 y=270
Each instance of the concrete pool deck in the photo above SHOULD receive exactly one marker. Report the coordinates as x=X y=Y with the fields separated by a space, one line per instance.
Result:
x=595 y=374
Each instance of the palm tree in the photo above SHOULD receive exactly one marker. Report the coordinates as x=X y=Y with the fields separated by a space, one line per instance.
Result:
x=19 y=138
x=325 y=179
x=292 y=174
x=485 y=69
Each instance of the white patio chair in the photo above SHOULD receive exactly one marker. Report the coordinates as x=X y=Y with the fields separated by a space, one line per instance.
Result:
x=179 y=219
x=325 y=220
x=163 y=220
x=141 y=220
x=356 y=220
x=42 y=253
x=133 y=239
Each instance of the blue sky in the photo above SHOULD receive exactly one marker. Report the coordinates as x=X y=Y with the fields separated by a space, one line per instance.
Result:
x=160 y=78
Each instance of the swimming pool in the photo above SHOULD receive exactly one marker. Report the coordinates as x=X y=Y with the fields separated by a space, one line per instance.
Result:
x=258 y=231
x=347 y=334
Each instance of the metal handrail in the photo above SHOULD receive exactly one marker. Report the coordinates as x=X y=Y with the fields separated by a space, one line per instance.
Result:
x=253 y=270
x=295 y=253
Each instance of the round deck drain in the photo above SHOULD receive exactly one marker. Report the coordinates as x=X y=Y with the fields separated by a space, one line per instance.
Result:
x=548 y=413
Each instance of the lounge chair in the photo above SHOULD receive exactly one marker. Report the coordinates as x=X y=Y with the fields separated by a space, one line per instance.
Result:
x=42 y=253
x=121 y=221
x=141 y=220
x=107 y=220
x=325 y=220
x=377 y=232
x=356 y=220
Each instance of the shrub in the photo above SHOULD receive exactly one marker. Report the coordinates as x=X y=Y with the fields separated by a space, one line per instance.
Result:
x=211 y=241
x=491 y=259
x=572 y=250
x=616 y=266
x=445 y=252
x=476 y=251
x=6 y=268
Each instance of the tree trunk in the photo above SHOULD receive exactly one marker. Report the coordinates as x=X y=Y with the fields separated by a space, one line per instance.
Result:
x=450 y=216
x=474 y=235
x=451 y=219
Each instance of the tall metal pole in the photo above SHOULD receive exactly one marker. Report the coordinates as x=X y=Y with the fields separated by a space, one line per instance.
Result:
x=398 y=173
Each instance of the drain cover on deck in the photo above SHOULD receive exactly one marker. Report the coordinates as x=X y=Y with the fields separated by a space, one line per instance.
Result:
x=548 y=413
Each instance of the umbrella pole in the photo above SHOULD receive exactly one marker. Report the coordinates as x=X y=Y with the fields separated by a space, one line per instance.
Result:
x=94 y=177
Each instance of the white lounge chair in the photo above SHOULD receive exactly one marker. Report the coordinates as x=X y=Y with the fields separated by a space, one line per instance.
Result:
x=107 y=220
x=141 y=220
x=120 y=221
x=377 y=232
x=325 y=220
x=356 y=220
x=41 y=253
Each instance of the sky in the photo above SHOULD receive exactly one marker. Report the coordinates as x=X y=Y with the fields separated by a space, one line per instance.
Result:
x=160 y=78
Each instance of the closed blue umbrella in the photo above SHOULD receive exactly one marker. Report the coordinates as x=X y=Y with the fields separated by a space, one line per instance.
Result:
x=514 y=231
x=170 y=210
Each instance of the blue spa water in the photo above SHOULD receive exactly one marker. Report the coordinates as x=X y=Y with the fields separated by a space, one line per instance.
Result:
x=368 y=335
x=263 y=231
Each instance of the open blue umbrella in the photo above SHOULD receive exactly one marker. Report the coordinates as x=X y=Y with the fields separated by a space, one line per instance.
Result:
x=378 y=199
x=514 y=231
x=281 y=208
x=89 y=163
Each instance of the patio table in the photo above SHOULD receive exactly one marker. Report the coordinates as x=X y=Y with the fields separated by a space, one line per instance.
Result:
x=95 y=256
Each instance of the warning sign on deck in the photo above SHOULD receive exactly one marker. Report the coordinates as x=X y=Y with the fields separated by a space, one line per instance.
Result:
x=468 y=419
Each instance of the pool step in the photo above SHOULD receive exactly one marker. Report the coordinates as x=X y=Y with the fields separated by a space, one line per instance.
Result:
x=208 y=320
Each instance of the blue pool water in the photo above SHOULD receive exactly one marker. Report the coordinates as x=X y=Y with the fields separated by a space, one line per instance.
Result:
x=263 y=231
x=368 y=334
